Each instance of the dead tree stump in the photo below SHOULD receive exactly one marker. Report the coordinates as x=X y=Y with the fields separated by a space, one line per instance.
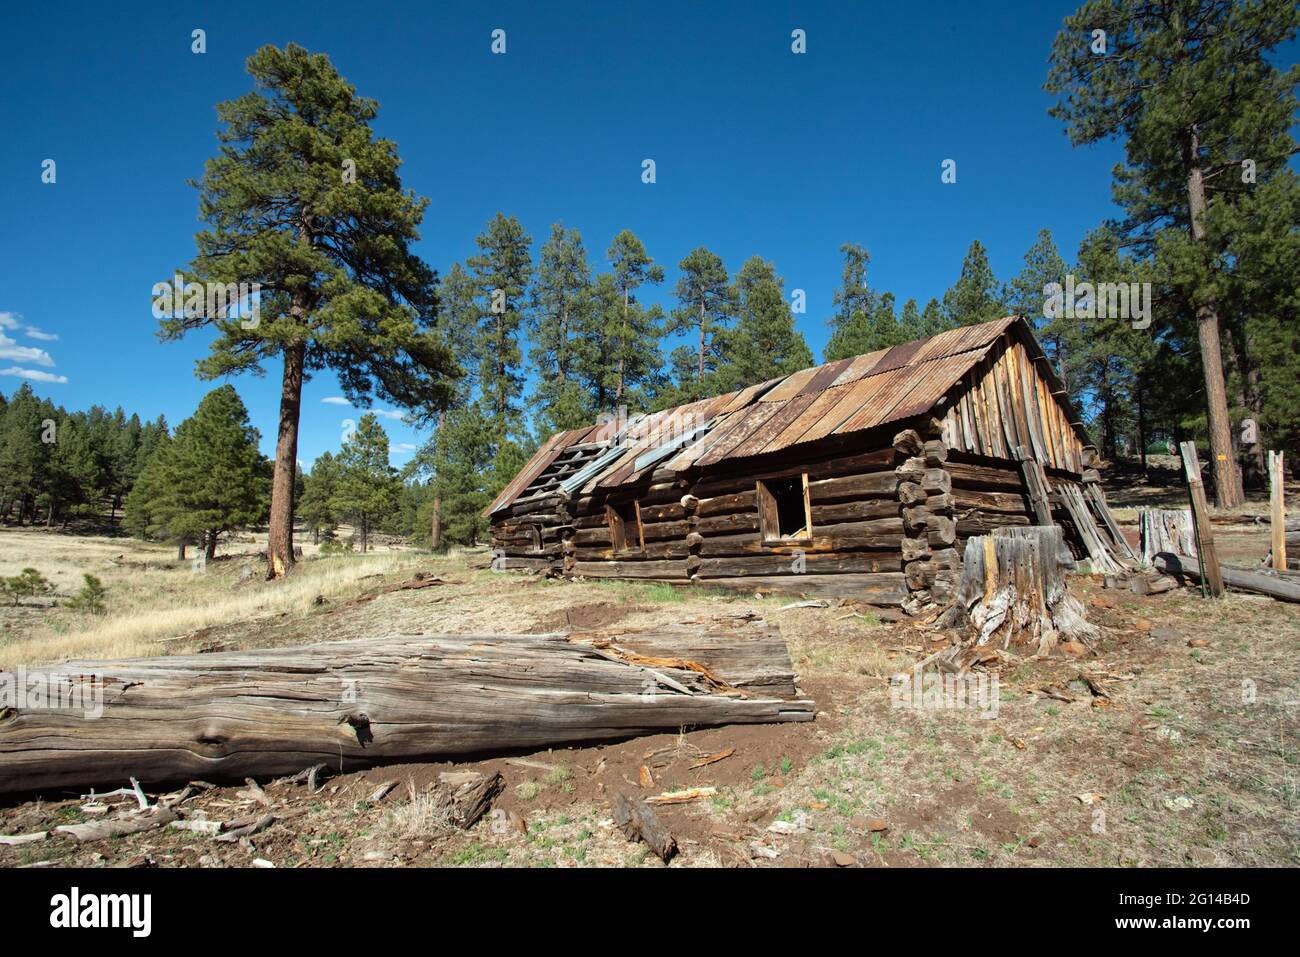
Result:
x=1167 y=530
x=1013 y=592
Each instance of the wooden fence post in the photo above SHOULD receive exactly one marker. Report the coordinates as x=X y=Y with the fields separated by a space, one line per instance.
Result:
x=1277 y=509
x=1209 y=558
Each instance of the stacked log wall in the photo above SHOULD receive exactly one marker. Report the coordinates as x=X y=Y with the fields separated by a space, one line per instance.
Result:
x=931 y=564
x=852 y=548
x=531 y=535
x=660 y=552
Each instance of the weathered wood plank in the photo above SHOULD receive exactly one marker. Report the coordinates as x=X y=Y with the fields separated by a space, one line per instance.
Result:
x=358 y=703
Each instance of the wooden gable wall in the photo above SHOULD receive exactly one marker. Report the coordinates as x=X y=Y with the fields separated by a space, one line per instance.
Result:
x=1005 y=401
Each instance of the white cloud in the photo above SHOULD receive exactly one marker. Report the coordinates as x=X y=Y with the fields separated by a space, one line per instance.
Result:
x=34 y=333
x=9 y=320
x=403 y=447
x=36 y=375
x=9 y=349
x=335 y=400
x=388 y=414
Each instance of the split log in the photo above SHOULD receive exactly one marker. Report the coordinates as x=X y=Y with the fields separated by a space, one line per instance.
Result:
x=1013 y=592
x=354 y=704
x=936 y=452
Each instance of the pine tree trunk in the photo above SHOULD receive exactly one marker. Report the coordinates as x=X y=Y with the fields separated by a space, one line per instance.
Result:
x=435 y=523
x=279 y=551
x=618 y=393
x=1227 y=477
x=211 y=546
x=699 y=375
x=180 y=551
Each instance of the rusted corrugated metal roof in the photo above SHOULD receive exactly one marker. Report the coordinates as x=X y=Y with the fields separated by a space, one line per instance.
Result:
x=836 y=398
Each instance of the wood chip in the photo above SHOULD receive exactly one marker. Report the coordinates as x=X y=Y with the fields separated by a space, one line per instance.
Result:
x=681 y=797
x=713 y=759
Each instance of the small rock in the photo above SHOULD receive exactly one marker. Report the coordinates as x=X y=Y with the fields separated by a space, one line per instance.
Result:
x=1032 y=842
x=1180 y=803
x=842 y=860
x=1142 y=624
x=1199 y=643
x=262 y=862
x=762 y=850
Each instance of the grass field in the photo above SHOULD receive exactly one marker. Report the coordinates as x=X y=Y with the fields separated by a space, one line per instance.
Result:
x=1190 y=760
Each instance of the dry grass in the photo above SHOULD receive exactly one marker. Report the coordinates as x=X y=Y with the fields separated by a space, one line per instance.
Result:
x=158 y=597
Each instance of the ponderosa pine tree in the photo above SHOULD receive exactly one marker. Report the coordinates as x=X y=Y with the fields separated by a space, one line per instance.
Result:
x=214 y=479
x=1026 y=295
x=561 y=304
x=502 y=271
x=705 y=306
x=366 y=486
x=1189 y=86
x=316 y=507
x=883 y=329
x=910 y=324
x=933 y=320
x=306 y=201
x=632 y=268
x=764 y=342
x=854 y=301
x=975 y=297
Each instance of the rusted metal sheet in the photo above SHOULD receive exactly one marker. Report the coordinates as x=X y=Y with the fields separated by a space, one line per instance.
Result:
x=825 y=376
x=743 y=427
x=793 y=383
x=881 y=394
x=854 y=396
x=810 y=416
x=934 y=380
x=762 y=437
x=860 y=367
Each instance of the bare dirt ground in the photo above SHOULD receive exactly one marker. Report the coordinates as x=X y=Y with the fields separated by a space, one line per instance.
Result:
x=1187 y=757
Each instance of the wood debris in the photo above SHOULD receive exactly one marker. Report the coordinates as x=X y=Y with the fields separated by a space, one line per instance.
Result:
x=638 y=821
x=682 y=797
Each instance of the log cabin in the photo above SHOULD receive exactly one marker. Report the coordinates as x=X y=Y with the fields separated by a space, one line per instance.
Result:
x=860 y=478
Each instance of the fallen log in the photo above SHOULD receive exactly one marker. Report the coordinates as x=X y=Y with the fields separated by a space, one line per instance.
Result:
x=353 y=704
x=1264 y=582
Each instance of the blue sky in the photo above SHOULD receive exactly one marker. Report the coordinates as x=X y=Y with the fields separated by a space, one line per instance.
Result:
x=757 y=150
